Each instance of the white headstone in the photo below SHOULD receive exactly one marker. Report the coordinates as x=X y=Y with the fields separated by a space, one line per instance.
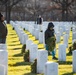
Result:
x=65 y=40
x=73 y=41
x=33 y=52
x=28 y=43
x=42 y=56
x=33 y=31
x=67 y=31
x=21 y=37
x=41 y=37
x=25 y=37
x=36 y=33
x=44 y=28
x=39 y=27
x=4 y=59
x=61 y=31
x=51 y=68
x=57 y=37
x=74 y=61
x=3 y=46
x=73 y=29
x=2 y=70
x=44 y=38
x=62 y=52
x=74 y=35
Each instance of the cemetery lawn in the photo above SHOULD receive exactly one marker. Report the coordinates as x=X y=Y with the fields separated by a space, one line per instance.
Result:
x=16 y=64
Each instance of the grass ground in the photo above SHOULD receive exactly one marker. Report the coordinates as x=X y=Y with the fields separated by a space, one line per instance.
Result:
x=16 y=64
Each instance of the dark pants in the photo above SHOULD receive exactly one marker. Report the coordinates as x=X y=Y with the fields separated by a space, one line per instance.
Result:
x=53 y=52
x=2 y=40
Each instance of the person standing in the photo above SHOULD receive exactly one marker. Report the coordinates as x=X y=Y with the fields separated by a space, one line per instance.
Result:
x=39 y=22
x=50 y=40
x=3 y=30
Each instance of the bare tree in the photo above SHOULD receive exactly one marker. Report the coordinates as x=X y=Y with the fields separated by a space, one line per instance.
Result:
x=64 y=6
x=8 y=4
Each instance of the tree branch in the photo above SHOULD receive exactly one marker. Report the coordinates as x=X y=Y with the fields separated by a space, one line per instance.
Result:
x=15 y=2
x=70 y=2
x=4 y=1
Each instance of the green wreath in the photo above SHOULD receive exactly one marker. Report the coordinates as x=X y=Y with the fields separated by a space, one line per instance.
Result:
x=51 y=43
x=34 y=66
x=26 y=56
x=72 y=48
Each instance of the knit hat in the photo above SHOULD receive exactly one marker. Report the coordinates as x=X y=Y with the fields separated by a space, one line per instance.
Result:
x=50 y=25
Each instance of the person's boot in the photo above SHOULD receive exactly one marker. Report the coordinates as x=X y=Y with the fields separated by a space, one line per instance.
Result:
x=55 y=58
x=53 y=55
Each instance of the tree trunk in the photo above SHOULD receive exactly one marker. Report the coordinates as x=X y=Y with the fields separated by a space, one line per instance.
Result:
x=8 y=12
x=65 y=10
x=8 y=15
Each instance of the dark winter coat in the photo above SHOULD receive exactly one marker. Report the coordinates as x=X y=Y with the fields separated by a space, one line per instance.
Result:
x=39 y=20
x=49 y=33
x=3 y=30
x=50 y=39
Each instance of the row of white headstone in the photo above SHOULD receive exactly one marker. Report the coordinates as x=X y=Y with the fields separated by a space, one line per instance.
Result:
x=22 y=36
x=34 y=53
x=35 y=30
x=40 y=55
x=3 y=60
x=74 y=32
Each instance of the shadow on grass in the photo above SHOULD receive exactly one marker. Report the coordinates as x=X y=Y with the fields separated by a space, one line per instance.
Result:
x=22 y=63
x=64 y=62
x=61 y=39
x=70 y=43
x=68 y=73
x=13 y=44
x=16 y=48
x=15 y=41
x=69 y=54
x=29 y=74
x=18 y=55
x=32 y=74
x=12 y=34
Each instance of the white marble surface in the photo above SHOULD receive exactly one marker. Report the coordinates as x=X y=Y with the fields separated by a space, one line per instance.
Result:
x=74 y=35
x=58 y=37
x=24 y=38
x=40 y=37
x=65 y=40
x=28 y=43
x=4 y=60
x=62 y=52
x=51 y=68
x=42 y=56
x=2 y=69
x=36 y=34
x=74 y=61
x=33 y=52
x=3 y=46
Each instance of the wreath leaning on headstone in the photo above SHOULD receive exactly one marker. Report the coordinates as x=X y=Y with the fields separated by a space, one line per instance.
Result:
x=23 y=48
x=26 y=56
x=51 y=42
x=34 y=66
x=73 y=47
